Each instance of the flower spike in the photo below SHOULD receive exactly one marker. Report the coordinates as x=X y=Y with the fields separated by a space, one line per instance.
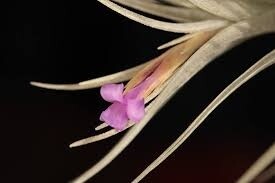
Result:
x=211 y=28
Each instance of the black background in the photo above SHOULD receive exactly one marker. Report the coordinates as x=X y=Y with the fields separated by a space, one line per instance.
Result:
x=67 y=42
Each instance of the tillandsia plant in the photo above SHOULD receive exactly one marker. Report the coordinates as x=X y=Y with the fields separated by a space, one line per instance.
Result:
x=209 y=29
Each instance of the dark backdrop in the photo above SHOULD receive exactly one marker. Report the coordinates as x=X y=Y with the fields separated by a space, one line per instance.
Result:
x=67 y=42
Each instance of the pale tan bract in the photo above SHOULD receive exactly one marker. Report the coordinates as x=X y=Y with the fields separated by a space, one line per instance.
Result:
x=234 y=21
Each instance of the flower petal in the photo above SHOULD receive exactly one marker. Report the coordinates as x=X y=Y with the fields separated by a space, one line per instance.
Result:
x=137 y=91
x=112 y=92
x=115 y=116
x=135 y=109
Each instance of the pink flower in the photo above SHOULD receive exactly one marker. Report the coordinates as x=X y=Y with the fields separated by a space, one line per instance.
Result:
x=124 y=107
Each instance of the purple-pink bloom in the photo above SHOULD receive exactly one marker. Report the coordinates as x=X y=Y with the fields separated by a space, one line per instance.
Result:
x=124 y=107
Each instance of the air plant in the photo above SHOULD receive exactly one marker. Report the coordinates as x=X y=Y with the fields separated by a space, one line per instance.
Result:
x=209 y=29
